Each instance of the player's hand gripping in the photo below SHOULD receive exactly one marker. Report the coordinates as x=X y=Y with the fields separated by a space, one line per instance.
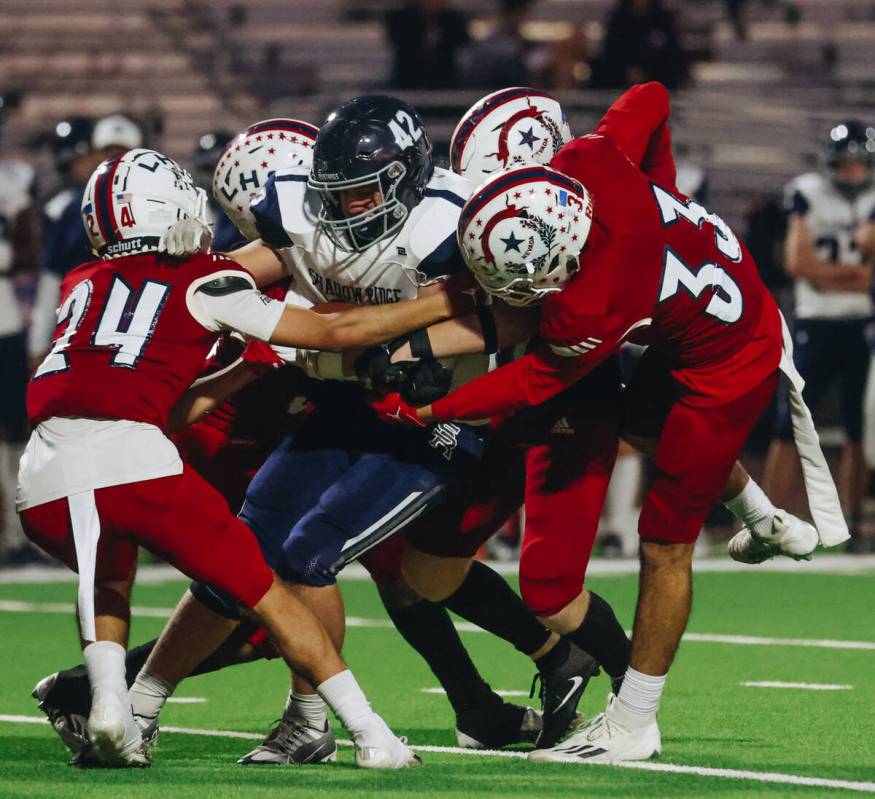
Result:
x=185 y=238
x=394 y=409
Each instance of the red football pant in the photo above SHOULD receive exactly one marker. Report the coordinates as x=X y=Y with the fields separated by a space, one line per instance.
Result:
x=697 y=448
x=181 y=519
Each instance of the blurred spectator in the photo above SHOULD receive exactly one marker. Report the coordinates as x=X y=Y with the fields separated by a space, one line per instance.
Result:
x=641 y=44
x=79 y=146
x=18 y=248
x=833 y=307
x=505 y=57
x=206 y=156
x=425 y=36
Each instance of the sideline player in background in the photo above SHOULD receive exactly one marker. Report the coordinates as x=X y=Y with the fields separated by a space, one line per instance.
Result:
x=99 y=476
x=18 y=251
x=832 y=287
x=715 y=348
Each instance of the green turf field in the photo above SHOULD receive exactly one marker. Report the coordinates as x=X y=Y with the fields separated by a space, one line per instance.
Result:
x=708 y=719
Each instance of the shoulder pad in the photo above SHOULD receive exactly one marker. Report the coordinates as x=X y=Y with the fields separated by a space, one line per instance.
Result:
x=433 y=222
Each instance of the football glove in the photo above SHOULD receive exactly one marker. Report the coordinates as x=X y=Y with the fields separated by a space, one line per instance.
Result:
x=425 y=382
x=393 y=409
x=185 y=238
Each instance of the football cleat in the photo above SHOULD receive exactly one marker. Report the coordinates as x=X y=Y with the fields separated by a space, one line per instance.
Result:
x=70 y=726
x=379 y=747
x=496 y=725
x=605 y=739
x=790 y=536
x=293 y=741
x=561 y=690
x=114 y=737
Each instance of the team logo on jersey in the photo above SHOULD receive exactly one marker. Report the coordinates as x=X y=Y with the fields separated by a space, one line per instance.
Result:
x=445 y=439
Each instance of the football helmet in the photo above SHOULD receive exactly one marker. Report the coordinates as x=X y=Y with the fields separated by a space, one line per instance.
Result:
x=506 y=128
x=373 y=141
x=70 y=140
x=850 y=140
x=522 y=231
x=131 y=200
x=249 y=160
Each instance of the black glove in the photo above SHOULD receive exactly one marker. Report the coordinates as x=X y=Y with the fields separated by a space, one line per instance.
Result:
x=426 y=382
x=374 y=367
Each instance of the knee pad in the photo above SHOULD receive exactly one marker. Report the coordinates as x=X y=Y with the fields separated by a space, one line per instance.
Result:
x=216 y=600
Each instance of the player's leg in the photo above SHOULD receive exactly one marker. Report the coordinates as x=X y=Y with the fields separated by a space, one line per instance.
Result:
x=689 y=479
x=483 y=719
x=853 y=475
x=187 y=520
x=110 y=730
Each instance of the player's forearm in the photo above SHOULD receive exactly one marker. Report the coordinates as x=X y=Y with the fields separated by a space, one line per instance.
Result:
x=260 y=261
x=474 y=333
x=866 y=241
x=208 y=393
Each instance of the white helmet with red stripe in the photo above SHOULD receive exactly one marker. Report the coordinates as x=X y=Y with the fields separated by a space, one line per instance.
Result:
x=506 y=128
x=251 y=157
x=131 y=200
x=522 y=231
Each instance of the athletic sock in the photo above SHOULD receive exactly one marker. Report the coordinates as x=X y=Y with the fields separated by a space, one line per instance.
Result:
x=603 y=637
x=753 y=508
x=105 y=663
x=427 y=627
x=148 y=695
x=349 y=703
x=309 y=707
x=639 y=697
x=555 y=658
x=485 y=599
x=620 y=515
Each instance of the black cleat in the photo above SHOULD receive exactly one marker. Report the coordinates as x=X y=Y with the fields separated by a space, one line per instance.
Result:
x=497 y=724
x=68 y=717
x=561 y=690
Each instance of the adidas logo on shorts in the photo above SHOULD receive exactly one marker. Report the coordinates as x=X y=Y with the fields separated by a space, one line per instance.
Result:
x=562 y=428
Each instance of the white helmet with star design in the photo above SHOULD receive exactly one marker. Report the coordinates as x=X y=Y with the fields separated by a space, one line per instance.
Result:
x=251 y=157
x=522 y=231
x=506 y=128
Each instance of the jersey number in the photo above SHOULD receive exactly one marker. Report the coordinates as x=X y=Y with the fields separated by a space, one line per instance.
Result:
x=123 y=325
x=727 y=304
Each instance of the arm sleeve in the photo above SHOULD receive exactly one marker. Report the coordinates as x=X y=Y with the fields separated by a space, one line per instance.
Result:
x=795 y=202
x=638 y=124
x=228 y=300
x=528 y=381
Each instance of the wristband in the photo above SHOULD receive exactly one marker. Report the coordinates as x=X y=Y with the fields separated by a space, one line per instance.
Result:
x=420 y=344
x=487 y=326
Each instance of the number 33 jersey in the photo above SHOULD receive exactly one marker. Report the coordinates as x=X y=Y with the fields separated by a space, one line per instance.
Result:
x=134 y=333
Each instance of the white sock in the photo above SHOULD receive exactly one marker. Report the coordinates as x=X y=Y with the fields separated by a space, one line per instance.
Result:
x=639 y=697
x=105 y=662
x=148 y=695
x=754 y=509
x=621 y=501
x=349 y=703
x=309 y=707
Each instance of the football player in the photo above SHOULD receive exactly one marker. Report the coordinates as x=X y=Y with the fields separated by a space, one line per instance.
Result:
x=564 y=237
x=99 y=477
x=372 y=222
x=832 y=286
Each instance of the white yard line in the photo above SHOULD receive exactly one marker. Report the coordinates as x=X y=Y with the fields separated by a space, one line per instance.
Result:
x=600 y=567
x=499 y=691
x=187 y=700
x=805 y=686
x=16 y=606
x=670 y=768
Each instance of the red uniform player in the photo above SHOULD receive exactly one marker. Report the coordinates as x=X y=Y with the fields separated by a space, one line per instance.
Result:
x=99 y=476
x=603 y=238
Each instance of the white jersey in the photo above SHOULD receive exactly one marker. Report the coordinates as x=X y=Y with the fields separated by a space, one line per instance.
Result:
x=832 y=219
x=423 y=250
x=16 y=178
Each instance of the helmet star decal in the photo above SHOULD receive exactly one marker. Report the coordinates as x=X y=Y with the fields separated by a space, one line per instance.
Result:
x=528 y=137
x=512 y=243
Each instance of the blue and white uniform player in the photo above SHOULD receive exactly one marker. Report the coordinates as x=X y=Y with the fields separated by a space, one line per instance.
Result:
x=372 y=222
x=832 y=292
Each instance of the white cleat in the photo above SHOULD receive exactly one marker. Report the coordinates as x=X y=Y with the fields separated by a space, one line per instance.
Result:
x=790 y=536
x=605 y=739
x=379 y=747
x=115 y=738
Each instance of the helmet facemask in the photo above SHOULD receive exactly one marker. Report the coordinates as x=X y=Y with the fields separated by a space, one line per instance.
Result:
x=357 y=233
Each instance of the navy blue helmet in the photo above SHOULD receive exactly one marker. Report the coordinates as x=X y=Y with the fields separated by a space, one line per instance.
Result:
x=373 y=142
x=850 y=140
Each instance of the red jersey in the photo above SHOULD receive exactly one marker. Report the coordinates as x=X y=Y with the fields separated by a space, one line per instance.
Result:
x=127 y=345
x=657 y=269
